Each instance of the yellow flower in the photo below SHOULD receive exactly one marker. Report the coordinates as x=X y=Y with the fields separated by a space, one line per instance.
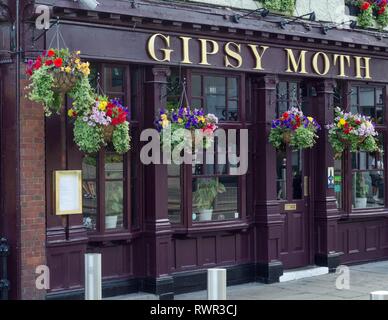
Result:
x=310 y=119
x=165 y=123
x=78 y=52
x=201 y=119
x=102 y=105
x=180 y=120
x=163 y=117
x=77 y=61
x=68 y=69
x=341 y=122
x=70 y=113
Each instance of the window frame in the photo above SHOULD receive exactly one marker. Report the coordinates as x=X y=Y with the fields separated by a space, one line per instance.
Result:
x=101 y=233
x=187 y=224
x=346 y=209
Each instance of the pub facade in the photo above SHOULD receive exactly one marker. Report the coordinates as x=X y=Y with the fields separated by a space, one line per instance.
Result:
x=291 y=209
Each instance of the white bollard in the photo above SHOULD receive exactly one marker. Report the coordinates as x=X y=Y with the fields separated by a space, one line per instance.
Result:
x=216 y=284
x=379 y=295
x=93 y=284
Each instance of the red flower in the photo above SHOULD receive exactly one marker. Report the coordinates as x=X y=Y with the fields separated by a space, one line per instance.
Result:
x=365 y=6
x=49 y=62
x=58 y=62
x=37 y=64
x=29 y=71
x=358 y=122
x=285 y=115
x=51 y=53
x=381 y=11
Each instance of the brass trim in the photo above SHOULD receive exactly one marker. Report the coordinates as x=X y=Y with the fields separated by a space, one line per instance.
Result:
x=290 y=207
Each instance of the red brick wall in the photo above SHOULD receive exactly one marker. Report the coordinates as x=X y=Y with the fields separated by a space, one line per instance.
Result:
x=32 y=196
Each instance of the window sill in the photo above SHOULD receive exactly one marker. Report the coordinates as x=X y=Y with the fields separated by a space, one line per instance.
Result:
x=366 y=213
x=204 y=227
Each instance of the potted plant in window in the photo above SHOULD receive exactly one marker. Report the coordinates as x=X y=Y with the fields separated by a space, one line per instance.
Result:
x=205 y=196
x=113 y=206
x=362 y=190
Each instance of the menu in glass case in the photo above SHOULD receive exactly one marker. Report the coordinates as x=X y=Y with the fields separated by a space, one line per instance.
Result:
x=68 y=192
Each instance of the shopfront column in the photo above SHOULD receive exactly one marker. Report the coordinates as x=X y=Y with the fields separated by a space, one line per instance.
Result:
x=268 y=222
x=326 y=214
x=157 y=250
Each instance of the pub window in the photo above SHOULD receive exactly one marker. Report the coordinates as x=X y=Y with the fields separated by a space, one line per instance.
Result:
x=105 y=174
x=368 y=179
x=208 y=192
x=217 y=95
x=362 y=174
x=288 y=95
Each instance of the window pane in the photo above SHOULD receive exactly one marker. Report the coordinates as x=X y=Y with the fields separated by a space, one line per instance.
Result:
x=114 y=190
x=114 y=167
x=297 y=175
x=232 y=89
x=196 y=103
x=367 y=101
x=174 y=193
x=89 y=189
x=338 y=182
x=114 y=208
x=114 y=79
x=281 y=169
x=232 y=110
x=196 y=89
x=215 y=199
x=216 y=96
x=368 y=189
x=293 y=94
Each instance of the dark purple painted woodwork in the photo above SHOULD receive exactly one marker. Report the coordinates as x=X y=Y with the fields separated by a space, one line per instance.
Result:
x=363 y=240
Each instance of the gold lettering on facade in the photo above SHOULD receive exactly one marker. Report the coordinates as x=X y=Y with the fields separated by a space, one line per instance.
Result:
x=258 y=55
x=204 y=50
x=325 y=63
x=359 y=67
x=166 y=51
x=296 y=66
x=233 y=54
x=186 y=50
x=342 y=60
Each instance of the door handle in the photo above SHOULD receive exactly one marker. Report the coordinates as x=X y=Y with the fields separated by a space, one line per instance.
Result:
x=306 y=186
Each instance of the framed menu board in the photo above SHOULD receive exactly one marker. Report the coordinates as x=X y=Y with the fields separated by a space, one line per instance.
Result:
x=67 y=192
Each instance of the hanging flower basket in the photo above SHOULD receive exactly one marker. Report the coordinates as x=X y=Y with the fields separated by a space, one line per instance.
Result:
x=293 y=128
x=186 y=127
x=352 y=132
x=107 y=123
x=369 y=11
x=54 y=74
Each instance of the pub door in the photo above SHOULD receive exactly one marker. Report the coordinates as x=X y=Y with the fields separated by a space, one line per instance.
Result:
x=293 y=184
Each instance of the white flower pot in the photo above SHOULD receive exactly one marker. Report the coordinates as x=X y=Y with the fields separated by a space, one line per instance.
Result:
x=110 y=222
x=360 y=203
x=206 y=215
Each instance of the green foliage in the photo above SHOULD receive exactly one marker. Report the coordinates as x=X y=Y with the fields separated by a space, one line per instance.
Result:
x=382 y=19
x=89 y=139
x=121 y=138
x=303 y=138
x=287 y=6
x=365 y=18
x=276 y=138
x=361 y=187
x=40 y=90
x=82 y=95
x=207 y=192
